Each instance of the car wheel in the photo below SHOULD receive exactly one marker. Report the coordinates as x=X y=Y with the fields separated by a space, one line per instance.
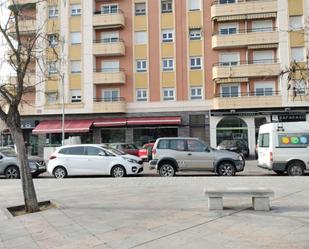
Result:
x=60 y=172
x=279 y=172
x=295 y=169
x=166 y=170
x=12 y=172
x=118 y=171
x=226 y=169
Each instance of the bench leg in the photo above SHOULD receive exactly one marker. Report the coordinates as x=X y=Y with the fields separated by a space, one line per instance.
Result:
x=215 y=203
x=261 y=203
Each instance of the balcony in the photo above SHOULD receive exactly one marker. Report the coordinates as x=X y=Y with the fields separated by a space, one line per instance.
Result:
x=257 y=68
x=111 y=105
x=245 y=38
x=243 y=8
x=109 y=48
x=25 y=25
x=109 y=76
x=103 y=20
x=247 y=100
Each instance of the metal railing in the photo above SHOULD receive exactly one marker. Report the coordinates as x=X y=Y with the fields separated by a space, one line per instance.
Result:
x=108 y=70
x=111 y=99
x=250 y=62
x=246 y=31
x=220 y=2
x=108 y=40
x=264 y=93
x=100 y=12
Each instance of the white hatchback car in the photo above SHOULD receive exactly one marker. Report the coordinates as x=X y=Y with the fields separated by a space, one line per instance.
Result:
x=91 y=159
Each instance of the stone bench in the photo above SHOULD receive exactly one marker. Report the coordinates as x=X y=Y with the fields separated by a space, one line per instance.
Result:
x=260 y=197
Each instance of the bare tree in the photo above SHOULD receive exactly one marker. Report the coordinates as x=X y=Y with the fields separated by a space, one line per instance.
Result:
x=23 y=52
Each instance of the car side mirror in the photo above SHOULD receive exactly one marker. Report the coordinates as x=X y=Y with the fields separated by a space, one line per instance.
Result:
x=207 y=149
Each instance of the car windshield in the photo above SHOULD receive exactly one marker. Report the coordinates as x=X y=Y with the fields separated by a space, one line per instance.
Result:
x=9 y=152
x=113 y=150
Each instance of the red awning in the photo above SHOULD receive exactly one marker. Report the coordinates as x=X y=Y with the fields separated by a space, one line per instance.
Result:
x=154 y=121
x=109 y=122
x=54 y=126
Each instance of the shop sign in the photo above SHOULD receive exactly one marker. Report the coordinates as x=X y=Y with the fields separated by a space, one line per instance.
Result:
x=289 y=117
x=28 y=124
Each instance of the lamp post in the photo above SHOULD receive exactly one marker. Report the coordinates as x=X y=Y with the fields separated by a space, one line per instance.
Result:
x=63 y=108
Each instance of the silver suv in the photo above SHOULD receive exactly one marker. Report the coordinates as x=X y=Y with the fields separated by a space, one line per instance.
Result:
x=191 y=154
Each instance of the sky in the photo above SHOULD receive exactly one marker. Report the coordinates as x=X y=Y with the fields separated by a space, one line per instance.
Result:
x=3 y=17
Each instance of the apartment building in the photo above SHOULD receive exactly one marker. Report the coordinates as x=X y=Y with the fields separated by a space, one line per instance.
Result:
x=135 y=70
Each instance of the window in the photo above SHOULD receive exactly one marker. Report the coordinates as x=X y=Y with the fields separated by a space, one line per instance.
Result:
x=111 y=95
x=52 y=67
x=264 y=140
x=166 y=6
x=264 y=88
x=300 y=87
x=298 y=54
x=226 y=1
x=51 y=98
x=296 y=22
x=76 y=150
x=194 y=4
x=196 y=93
x=110 y=66
x=93 y=151
x=141 y=94
x=52 y=40
x=167 y=35
x=141 y=37
x=75 y=38
x=177 y=144
x=140 y=9
x=262 y=26
x=229 y=59
x=108 y=37
x=294 y=140
x=195 y=63
x=168 y=64
x=228 y=28
x=76 y=10
x=109 y=9
x=195 y=146
x=195 y=34
x=53 y=12
x=230 y=91
x=75 y=66
x=76 y=96
x=168 y=94
x=263 y=56
x=141 y=66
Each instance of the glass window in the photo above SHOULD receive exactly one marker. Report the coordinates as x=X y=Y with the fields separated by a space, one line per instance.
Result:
x=108 y=37
x=111 y=95
x=177 y=144
x=163 y=144
x=167 y=35
x=226 y=1
x=168 y=94
x=168 y=64
x=75 y=66
x=75 y=38
x=300 y=87
x=76 y=10
x=195 y=34
x=196 y=93
x=230 y=91
x=76 y=96
x=228 y=28
x=166 y=6
x=109 y=9
x=116 y=135
x=264 y=140
x=229 y=59
x=296 y=22
x=51 y=98
x=262 y=25
x=141 y=94
x=195 y=63
x=53 y=40
x=298 y=54
x=52 y=67
x=293 y=140
x=141 y=66
x=196 y=146
x=140 y=9
x=194 y=4
x=141 y=37
x=53 y=12
x=76 y=150
x=93 y=151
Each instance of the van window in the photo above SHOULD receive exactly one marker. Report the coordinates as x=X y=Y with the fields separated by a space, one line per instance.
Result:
x=264 y=140
x=293 y=140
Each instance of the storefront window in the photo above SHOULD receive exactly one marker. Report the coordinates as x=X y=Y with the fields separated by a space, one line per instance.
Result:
x=232 y=128
x=145 y=135
x=54 y=139
x=113 y=135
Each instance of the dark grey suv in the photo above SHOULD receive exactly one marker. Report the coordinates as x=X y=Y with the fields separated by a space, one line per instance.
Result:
x=9 y=166
x=191 y=154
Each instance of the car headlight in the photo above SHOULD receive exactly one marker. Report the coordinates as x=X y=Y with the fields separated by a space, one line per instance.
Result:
x=130 y=160
x=32 y=165
x=240 y=158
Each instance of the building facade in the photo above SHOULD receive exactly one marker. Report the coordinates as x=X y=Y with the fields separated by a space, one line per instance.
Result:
x=135 y=70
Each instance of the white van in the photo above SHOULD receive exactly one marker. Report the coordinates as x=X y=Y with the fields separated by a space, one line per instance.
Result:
x=283 y=147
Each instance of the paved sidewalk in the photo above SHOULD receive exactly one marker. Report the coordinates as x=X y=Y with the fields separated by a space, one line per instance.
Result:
x=155 y=212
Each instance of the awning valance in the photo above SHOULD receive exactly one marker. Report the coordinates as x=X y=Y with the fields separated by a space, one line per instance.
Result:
x=231 y=80
x=245 y=17
x=55 y=126
x=110 y=122
x=154 y=121
x=263 y=46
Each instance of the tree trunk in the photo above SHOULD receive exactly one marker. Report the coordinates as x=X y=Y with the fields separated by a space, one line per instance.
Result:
x=31 y=203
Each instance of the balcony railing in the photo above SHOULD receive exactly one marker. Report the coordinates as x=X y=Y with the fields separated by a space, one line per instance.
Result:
x=245 y=31
x=109 y=76
x=109 y=105
x=108 y=70
x=108 y=40
x=112 y=99
x=248 y=94
x=250 y=62
x=221 y=2
x=112 y=19
x=109 y=47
